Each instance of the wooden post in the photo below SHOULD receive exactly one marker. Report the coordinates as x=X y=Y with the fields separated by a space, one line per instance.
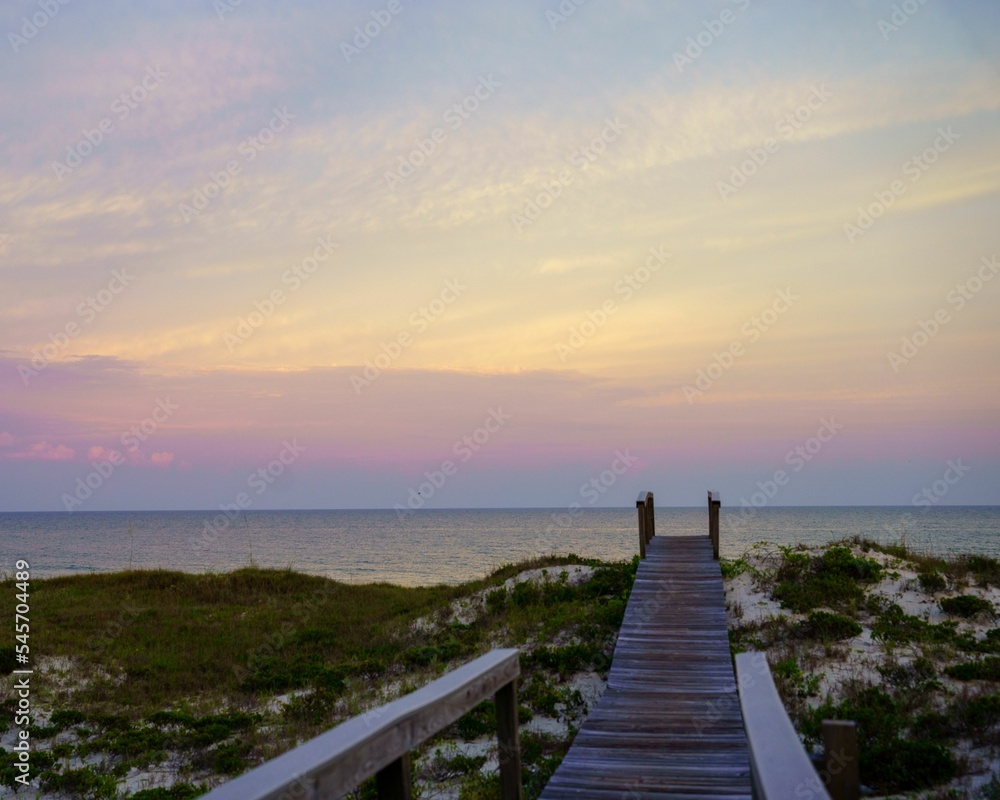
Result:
x=640 y=506
x=840 y=759
x=650 y=523
x=509 y=743
x=393 y=781
x=714 y=503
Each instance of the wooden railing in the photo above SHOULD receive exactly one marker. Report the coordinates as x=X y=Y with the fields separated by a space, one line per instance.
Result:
x=779 y=765
x=647 y=527
x=714 y=504
x=379 y=742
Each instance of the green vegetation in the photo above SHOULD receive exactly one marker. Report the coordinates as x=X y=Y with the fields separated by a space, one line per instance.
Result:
x=932 y=582
x=828 y=627
x=966 y=606
x=832 y=579
x=181 y=668
x=915 y=723
x=893 y=755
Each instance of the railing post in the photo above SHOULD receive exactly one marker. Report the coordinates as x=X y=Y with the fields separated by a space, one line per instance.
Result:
x=509 y=743
x=650 y=523
x=714 y=504
x=640 y=506
x=840 y=759
x=392 y=782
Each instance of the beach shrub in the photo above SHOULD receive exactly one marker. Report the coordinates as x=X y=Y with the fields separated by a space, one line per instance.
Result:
x=900 y=765
x=570 y=658
x=890 y=761
x=932 y=582
x=988 y=669
x=828 y=627
x=982 y=712
x=917 y=675
x=496 y=600
x=833 y=579
x=732 y=568
x=82 y=782
x=966 y=606
x=894 y=626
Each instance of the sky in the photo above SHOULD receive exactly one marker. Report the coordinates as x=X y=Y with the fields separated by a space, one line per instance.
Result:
x=522 y=254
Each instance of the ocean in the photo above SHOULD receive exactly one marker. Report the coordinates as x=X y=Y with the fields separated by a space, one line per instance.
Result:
x=443 y=546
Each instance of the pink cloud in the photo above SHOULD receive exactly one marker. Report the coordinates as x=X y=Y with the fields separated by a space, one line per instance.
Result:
x=6 y=440
x=98 y=453
x=43 y=451
x=161 y=459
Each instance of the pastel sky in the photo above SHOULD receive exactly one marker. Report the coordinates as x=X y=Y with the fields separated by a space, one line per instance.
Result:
x=507 y=248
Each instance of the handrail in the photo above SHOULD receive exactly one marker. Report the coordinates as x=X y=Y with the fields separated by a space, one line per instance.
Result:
x=379 y=741
x=647 y=525
x=779 y=765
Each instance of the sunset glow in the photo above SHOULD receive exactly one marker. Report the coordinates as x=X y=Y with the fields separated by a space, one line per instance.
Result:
x=690 y=232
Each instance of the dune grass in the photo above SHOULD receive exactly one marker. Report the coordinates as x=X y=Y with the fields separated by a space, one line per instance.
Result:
x=214 y=673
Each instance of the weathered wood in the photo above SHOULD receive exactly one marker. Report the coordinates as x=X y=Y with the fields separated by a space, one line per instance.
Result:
x=337 y=761
x=779 y=764
x=840 y=759
x=393 y=782
x=669 y=724
x=509 y=743
x=640 y=506
x=650 y=518
x=714 y=504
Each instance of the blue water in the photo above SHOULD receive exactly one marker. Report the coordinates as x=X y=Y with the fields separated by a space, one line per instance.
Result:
x=444 y=546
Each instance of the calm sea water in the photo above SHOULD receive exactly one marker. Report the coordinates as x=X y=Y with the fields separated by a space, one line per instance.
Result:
x=445 y=546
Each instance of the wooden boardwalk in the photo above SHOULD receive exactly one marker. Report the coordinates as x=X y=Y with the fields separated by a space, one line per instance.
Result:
x=669 y=724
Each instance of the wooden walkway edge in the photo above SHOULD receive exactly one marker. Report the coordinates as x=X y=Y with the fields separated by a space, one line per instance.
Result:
x=669 y=724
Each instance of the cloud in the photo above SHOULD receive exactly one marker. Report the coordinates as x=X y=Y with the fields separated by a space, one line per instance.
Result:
x=43 y=451
x=161 y=459
x=6 y=440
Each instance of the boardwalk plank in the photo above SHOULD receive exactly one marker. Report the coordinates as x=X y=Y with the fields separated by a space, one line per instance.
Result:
x=669 y=723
